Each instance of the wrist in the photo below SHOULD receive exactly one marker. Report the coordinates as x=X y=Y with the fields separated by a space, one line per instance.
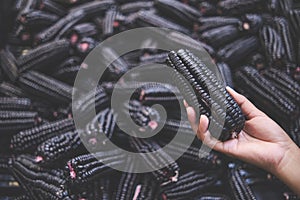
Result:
x=291 y=155
x=288 y=168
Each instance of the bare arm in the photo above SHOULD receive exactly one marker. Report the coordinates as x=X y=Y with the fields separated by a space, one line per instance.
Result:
x=262 y=143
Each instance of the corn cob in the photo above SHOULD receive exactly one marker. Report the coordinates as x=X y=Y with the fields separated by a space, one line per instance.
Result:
x=150 y=69
x=30 y=164
x=100 y=129
x=4 y=163
x=29 y=139
x=148 y=93
x=88 y=10
x=123 y=88
x=163 y=174
x=180 y=12
x=25 y=7
x=249 y=183
x=172 y=126
x=184 y=40
x=88 y=167
x=272 y=44
x=238 y=7
x=108 y=22
x=69 y=2
x=284 y=83
x=38 y=19
x=154 y=58
x=225 y=73
x=84 y=105
x=18 y=5
x=145 y=117
x=42 y=86
x=14 y=121
x=9 y=64
x=128 y=183
x=207 y=23
x=147 y=18
x=283 y=28
x=75 y=14
x=265 y=95
x=59 y=29
x=147 y=189
x=220 y=36
x=23 y=197
x=164 y=94
x=115 y=69
x=8 y=90
x=238 y=50
x=81 y=31
x=212 y=197
x=194 y=156
x=68 y=70
x=132 y=7
x=59 y=147
x=191 y=184
x=39 y=183
x=156 y=90
x=52 y=7
x=43 y=55
x=202 y=79
x=294 y=18
x=15 y=104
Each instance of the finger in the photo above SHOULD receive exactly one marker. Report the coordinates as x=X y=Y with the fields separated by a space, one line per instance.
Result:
x=192 y=118
x=246 y=106
x=204 y=135
x=186 y=105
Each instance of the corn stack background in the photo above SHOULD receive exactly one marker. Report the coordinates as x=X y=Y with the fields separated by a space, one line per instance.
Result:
x=254 y=43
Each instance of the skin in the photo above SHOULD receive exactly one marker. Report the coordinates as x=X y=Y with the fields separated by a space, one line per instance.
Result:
x=262 y=142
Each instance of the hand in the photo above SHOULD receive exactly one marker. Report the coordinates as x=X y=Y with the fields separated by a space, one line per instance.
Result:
x=262 y=142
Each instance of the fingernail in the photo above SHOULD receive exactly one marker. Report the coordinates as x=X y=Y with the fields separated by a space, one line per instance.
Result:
x=203 y=127
x=229 y=88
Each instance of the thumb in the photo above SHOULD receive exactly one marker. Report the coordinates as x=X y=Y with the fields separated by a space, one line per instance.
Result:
x=192 y=118
x=203 y=127
x=204 y=135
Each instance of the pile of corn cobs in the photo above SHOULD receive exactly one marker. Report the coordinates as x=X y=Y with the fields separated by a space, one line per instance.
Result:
x=253 y=42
